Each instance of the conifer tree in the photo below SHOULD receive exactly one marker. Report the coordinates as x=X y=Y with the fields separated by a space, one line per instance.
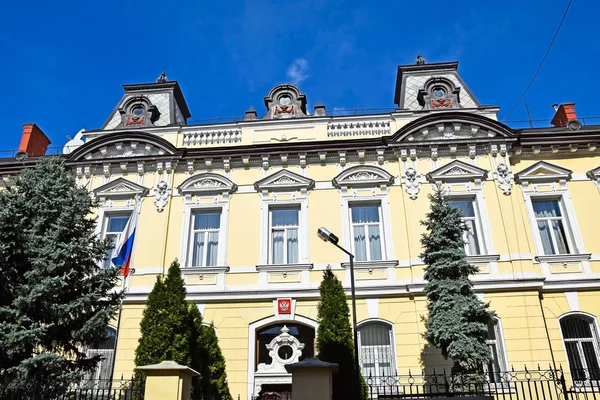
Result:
x=214 y=378
x=55 y=299
x=335 y=341
x=457 y=321
x=165 y=326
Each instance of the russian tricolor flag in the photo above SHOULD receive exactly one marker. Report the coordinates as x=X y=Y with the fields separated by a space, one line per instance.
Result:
x=124 y=248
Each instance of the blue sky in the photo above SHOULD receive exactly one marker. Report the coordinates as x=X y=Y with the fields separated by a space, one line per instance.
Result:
x=63 y=62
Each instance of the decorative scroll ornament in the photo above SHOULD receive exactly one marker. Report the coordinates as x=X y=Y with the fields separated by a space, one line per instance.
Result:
x=283 y=349
x=161 y=195
x=207 y=183
x=411 y=181
x=504 y=177
x=363 y=176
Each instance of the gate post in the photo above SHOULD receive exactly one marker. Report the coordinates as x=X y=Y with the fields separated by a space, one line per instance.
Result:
x=312 y=379
x=168 y=381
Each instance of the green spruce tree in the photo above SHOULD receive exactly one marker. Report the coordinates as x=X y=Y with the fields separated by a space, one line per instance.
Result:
x=335 y=342
x=214 y=378
x=166 y=332
x=457 y=321
x=55 y=299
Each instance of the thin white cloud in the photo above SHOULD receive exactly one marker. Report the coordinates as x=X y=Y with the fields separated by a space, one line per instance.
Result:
x=298 y=70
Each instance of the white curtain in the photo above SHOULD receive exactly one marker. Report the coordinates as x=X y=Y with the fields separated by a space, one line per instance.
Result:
x=362 y=215
x=284 y=217
x=551 y=209
x=292 y=246
x=206 y=239
x=278 y=246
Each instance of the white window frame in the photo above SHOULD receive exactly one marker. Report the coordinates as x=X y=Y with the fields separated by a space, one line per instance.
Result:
x=383 y=243
x=118 y=236
x=298 y=227
x=205 y=192
x=392 y=334
x=462 y=181
x=593 y=321
x=500 y=356
x=572 y=248
x=480 y=237
x=195 y=211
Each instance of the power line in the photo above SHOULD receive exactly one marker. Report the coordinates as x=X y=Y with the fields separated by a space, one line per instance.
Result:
x=541 y=63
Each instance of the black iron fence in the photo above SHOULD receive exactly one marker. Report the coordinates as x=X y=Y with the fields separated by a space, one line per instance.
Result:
x=97 y=389
x=525 y=384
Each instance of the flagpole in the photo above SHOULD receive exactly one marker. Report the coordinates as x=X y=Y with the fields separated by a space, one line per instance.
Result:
x=114 y=357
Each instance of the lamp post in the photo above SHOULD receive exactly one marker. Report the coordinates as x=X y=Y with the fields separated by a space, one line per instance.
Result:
x=327 y=236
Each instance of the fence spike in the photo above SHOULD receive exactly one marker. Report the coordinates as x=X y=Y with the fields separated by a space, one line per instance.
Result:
x=525 y=365
x=238 y=396
x=539 y=369
x=512 y=367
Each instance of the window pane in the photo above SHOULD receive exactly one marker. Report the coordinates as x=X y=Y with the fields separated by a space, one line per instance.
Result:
x=365 y=214
x=360 y=244
x=109 y=252
x=545 y=236
x=277 y=247
x=292 y=246
x=377 y=357
x=560 y=236
x=198 y=249
x=472 y=244
x=374 y=335
x=546 y=208
x=284 y=217
x=203 y=221
x=491 y=332
x=116 y=223
x=374 y=242
x=575 y=327
x=466 y=207
x=591 y=359
x=575 y=361
x=212 y=249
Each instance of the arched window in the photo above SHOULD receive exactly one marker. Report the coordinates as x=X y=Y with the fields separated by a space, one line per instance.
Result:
x=495 y=342
x=100 y=377
x=376 y=352
x=581 y=342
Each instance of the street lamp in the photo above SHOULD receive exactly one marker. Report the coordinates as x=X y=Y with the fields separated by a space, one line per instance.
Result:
x=327 y=236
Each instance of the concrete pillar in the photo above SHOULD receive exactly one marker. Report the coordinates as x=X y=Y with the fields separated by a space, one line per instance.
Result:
x=312 y=379
x=168 y=381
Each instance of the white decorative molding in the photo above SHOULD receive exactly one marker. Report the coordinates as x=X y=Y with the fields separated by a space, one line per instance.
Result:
x=450 y=131
x=207 y=183
x=504 y=177
x=543 y=172
x=120 y=188
x=372 y=307
x=458 y=172
x=412 y=181
x=277 y=344
x=284 y=180
x=572 y=300
x=208 y=137
x=363 y=176
x=595 y=176
x=161 y=195
x=358 y=128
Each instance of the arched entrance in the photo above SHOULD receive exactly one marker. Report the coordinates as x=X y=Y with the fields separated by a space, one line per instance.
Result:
x=277 y=342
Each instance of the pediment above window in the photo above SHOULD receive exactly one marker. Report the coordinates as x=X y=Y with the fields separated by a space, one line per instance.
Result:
x=543 y=171
x=363 y=176
x=457 y=171
x=120 y=188
x=284 y=180
x=207 y=183
x=129 y=145
x=595 y=176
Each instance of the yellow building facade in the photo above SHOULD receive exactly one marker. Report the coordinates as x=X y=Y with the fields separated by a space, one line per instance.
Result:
x=239 y=204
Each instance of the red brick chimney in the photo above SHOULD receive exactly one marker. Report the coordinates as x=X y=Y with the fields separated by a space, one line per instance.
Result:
x=33 y=141
x=564 y=113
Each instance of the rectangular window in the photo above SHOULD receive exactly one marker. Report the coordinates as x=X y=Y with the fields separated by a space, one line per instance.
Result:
x=284 y=227
x=366 y=232
x=204 y=239
x=551 y=226
x=471 y=235
x=114 y=225
x=497 y=365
